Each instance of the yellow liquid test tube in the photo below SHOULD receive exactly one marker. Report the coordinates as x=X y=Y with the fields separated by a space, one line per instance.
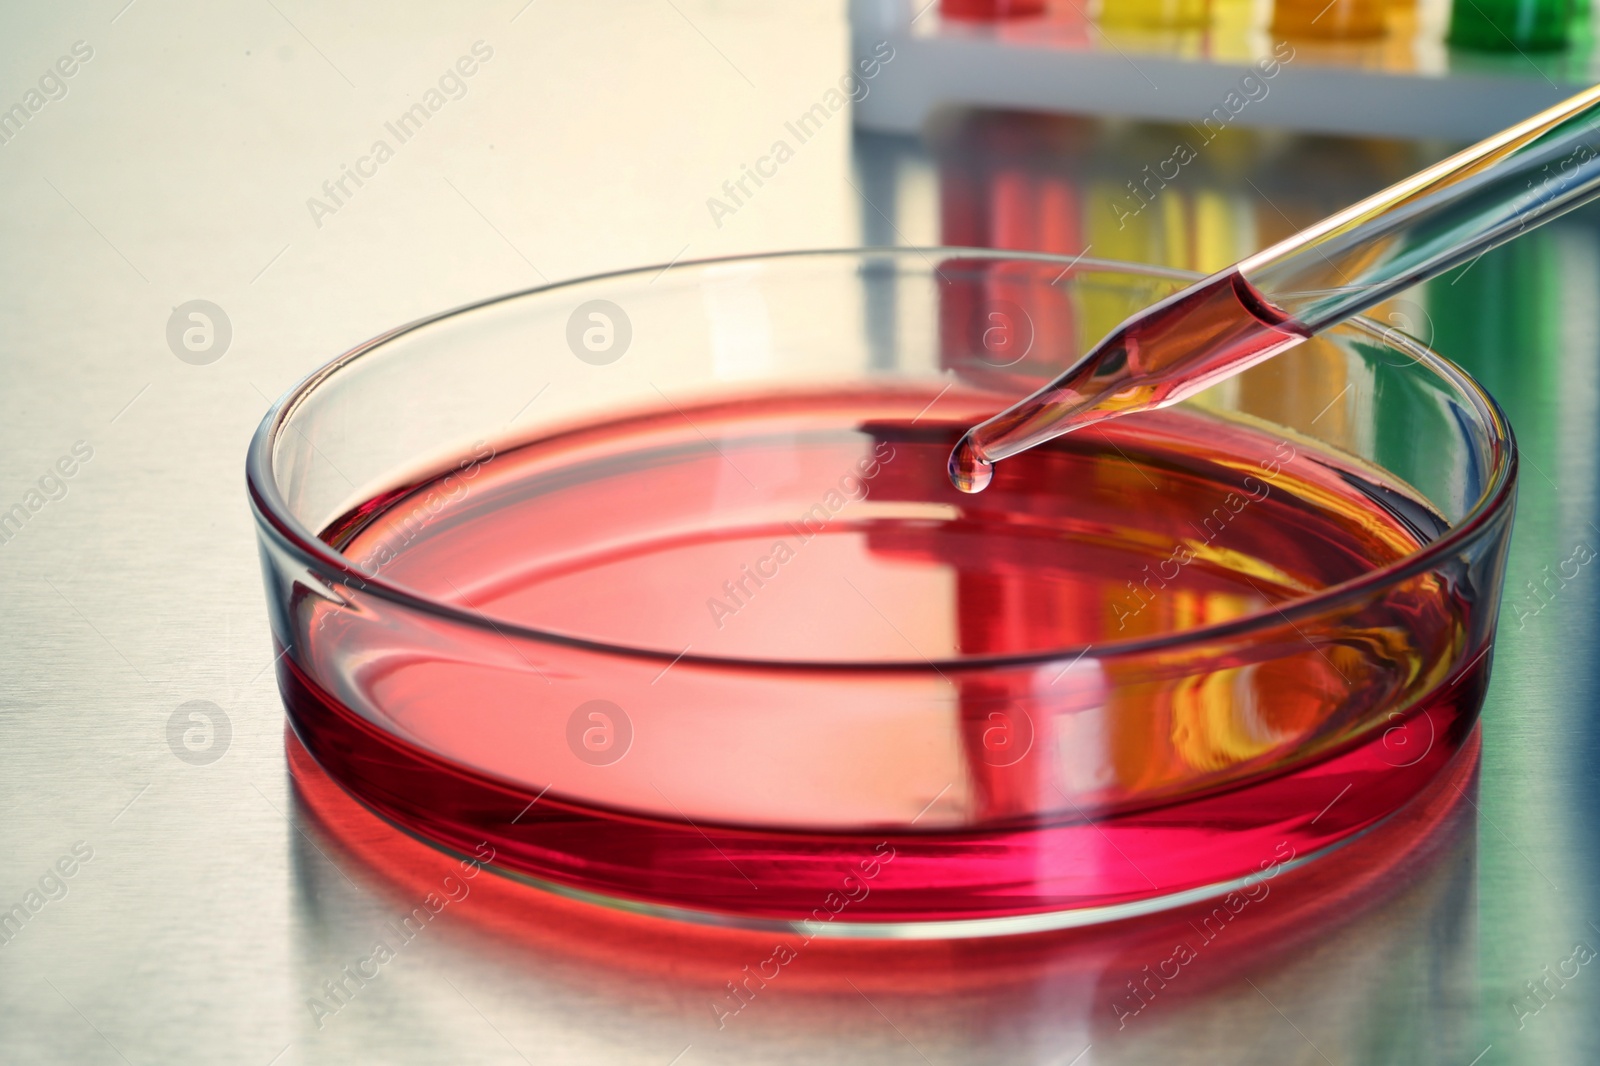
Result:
x=1156 y=14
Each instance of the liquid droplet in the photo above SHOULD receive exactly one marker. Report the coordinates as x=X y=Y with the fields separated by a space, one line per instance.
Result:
x=969 y=471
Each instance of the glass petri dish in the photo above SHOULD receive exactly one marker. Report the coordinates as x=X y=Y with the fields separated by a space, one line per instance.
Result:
x=650 y=586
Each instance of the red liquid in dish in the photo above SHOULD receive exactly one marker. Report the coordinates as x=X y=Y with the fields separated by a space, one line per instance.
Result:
x=931 y=771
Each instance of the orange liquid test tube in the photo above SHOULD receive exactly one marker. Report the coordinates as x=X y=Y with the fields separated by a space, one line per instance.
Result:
x=1329 y=19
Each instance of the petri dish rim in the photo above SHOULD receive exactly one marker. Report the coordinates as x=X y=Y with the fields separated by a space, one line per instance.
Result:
x=274 y=515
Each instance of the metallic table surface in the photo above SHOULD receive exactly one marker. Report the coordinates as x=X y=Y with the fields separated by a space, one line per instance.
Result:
x=178 y=163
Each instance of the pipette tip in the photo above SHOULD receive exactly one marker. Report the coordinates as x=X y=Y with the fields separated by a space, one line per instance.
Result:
x=969 y=470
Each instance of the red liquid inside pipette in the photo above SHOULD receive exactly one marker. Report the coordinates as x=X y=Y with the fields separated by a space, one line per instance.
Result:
x=1178 y=347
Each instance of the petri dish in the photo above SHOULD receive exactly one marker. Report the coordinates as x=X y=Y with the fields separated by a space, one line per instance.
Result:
x=652 y=587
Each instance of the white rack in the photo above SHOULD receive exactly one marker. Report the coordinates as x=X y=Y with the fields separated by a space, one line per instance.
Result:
x=1408 y=85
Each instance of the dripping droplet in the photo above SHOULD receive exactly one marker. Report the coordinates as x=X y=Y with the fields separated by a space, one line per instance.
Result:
x=969 y=470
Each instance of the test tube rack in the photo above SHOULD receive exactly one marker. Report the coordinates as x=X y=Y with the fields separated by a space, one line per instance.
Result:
x=1407 y=84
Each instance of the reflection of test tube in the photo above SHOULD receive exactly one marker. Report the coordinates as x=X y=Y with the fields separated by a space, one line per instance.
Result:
x=1333 y=19
x=1156 y=14
x=990 y=9
x=1501 y=318
x=1509 y=25
x=991 y=198
x=997 y=600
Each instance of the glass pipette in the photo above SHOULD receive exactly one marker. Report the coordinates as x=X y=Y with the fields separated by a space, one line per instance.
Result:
x=1438 y=218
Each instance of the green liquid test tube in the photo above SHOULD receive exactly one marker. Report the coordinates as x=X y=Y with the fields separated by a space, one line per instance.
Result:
x=1510 y=25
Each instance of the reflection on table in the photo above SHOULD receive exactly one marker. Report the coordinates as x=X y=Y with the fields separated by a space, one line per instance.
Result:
x=1367 y=955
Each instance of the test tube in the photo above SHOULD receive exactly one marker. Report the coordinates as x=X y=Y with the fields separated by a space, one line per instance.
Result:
x=1156 y=14
x=1329 y=19
x=1510 y=25
x=990 y=9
